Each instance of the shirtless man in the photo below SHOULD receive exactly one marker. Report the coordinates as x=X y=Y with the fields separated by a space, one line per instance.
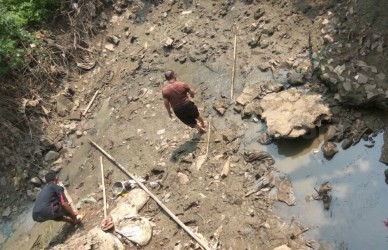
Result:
x=175 y=95
x=51 y=203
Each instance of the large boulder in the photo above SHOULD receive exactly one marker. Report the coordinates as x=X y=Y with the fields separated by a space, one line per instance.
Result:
x=291 y=113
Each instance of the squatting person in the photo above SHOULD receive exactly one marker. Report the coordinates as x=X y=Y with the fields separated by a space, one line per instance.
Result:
x=175 y=95
x=51 y=203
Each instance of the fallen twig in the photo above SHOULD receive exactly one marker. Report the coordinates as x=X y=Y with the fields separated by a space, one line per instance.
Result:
x=103 y=187
x=172 y=215
x=234 y=67
x=91 y=102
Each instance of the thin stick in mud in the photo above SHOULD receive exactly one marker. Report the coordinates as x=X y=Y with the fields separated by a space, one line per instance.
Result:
x=172 y=215
x=103 y=186
x=234 y=68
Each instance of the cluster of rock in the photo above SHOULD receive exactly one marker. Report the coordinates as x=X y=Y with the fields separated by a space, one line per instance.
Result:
x=351 y=58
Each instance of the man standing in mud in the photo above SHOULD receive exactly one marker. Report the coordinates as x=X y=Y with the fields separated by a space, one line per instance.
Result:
x=52 y=204
x=175 y=95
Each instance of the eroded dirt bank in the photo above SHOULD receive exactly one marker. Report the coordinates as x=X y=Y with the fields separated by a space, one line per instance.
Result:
x=143 y=39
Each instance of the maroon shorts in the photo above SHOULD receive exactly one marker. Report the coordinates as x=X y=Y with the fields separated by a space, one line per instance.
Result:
x=188 y=114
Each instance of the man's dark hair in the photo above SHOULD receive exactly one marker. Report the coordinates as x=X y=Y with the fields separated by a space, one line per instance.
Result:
x=169 y=75
x=50 y=176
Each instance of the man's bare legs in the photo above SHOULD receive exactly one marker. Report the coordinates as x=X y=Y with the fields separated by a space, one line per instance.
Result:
x=70 y=220
x=202 y=125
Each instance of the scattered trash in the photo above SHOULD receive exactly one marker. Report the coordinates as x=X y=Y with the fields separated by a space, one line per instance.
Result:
x=323 y=194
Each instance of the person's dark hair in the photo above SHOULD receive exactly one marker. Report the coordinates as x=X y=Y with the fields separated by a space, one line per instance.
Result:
x=50 y=176
x=169 y=75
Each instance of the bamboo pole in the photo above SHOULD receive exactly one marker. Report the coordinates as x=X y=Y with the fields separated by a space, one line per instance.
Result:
x=172 y=215
x=234 y=67
x=103 y=186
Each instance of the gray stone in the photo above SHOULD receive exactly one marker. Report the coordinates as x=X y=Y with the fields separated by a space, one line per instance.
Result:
x=386 y=173
x=36 y=181
x=268 y=31
x=113 y=39
x=265 y=138
x=361 y=78
x=329 y=149
x=296 y=78
x=63 y=105
x=46 y=142
x=51 y=156
x=42 y=173
x=7 y=212
x=56 y=168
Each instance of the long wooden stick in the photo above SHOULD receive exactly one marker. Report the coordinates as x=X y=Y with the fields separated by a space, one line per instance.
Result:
x=208 y=136
x=103 y=186
x=90 y=103
x=234 y=67
x=176 y=219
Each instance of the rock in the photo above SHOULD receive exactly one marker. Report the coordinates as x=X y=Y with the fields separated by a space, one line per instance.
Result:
x=286 y=193
x=332 y=133
x=248 y=94
x=56 y=168
x=41 y=174
x=36 y=181
x=136 y=197
x=169 y=42
x=95 y=239
x=113 y=39
x=384 y=150
x=46 y=142
x=229 y=135
x=329 y=149
x=295 y=79
x=254 y=41
x=7 y=212
x=282 y=247
x=182 y=178
x=63 y=105
x=126 y=219
x=51 y=156
x=32 y=193
x=78 y=133
x=220 y=106
x=137 y=229
x=346 y=143
x=291 y=114
x=268 y=31
x=361 y=78
x=109 y=47
x=258 y=13
x=264 y=138
x=252 y=109
x=386 y=173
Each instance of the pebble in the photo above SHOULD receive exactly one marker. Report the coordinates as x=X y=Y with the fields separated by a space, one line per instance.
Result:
x=51 y=156
x=7 y=212
x=36 y=181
